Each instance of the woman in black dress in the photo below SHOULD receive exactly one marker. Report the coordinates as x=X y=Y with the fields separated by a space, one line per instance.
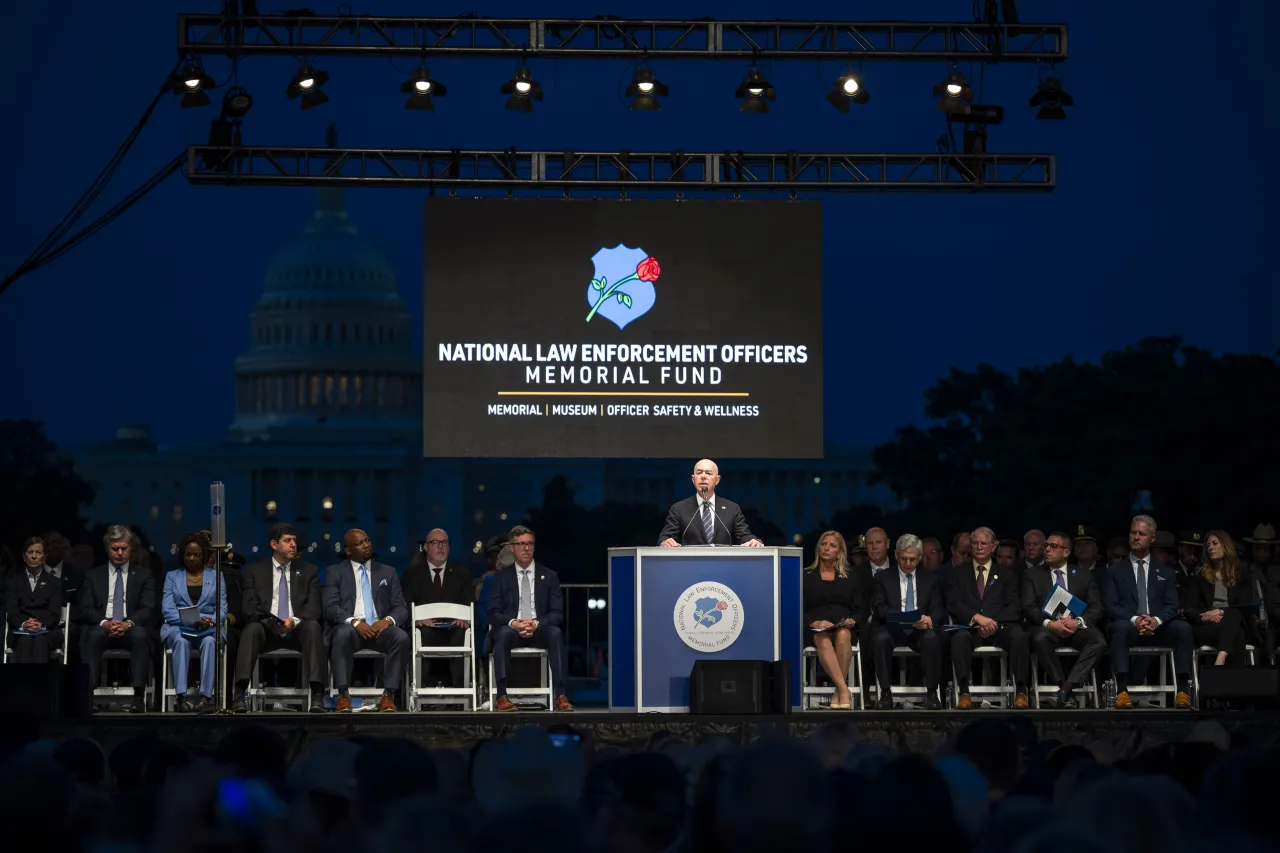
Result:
x=831 y=612
x=1212 y=602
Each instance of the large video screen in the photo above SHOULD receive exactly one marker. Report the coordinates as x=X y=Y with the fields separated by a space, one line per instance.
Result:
x=616 y=328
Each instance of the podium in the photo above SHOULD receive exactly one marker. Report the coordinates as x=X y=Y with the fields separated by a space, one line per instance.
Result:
x=669 y=607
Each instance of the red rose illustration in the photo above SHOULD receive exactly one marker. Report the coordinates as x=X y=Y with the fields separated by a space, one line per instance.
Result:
x=648 y=269
x=722 y=605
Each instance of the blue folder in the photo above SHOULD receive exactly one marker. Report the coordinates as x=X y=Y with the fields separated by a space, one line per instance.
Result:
x=1074 y=604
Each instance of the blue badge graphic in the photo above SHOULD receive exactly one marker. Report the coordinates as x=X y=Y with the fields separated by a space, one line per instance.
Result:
x=622 y=289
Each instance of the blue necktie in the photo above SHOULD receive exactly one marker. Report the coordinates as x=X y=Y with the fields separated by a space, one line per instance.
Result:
x=117 y=606
x=910 y=603
x=282 y=593
x=708 y=523
x=1062 y=580
x=369 y=616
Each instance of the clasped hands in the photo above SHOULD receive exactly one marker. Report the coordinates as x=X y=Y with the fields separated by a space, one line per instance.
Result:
x=1146 y=626
x=1064 y=627
x=524 y=627
x=115 y=628
x=32 y=625
x=1213 y=616
x=369 y=632
x=987 y=627
x=284 y=627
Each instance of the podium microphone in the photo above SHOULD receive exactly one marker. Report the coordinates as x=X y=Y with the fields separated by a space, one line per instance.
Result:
x=218 y=539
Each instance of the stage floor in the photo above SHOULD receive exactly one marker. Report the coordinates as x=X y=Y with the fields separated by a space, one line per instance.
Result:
x=1120 y=733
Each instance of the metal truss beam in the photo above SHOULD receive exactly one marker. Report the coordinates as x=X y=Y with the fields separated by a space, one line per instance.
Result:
x=565 y=172
x=607 y=37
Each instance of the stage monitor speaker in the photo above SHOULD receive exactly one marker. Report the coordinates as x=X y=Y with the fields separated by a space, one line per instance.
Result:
x=49 y=691
x=1243 y=683
x=739 y=687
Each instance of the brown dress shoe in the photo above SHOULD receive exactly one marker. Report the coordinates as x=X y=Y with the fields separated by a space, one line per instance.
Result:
x=388 y=702
x=1020 y=702
x=344 y=704
x=563 y=704
x=1123 y=702
x=502 y=703
x=1182 y=701
x=964 y=703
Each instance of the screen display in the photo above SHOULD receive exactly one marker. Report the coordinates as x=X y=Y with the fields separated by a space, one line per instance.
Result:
x=616 y=328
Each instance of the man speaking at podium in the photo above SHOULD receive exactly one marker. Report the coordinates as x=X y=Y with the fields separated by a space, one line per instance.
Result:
x=703 y=518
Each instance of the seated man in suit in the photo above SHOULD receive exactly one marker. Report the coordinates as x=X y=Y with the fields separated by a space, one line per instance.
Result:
x=986 y=597
x=434 y=580
x=364 y=606
x=703 y=518
x=1140 y=600
x=903 y=590
x=1078 y=631
x=32 y=607
x=117 y=605
x=281 y=600
x=526 y=609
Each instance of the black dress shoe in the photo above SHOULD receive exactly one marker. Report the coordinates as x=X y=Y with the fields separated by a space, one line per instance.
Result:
x=317 y=704
x=1063 y=699
x=137 y=706
x=240 y=706
x=183 y=705
x=885 y=702
x=932 y=703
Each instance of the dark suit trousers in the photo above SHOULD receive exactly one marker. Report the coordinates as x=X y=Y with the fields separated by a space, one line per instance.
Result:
x=94 y=641
x=445 y=637
x=1010 y=637
x=37 y=649
x=345 y=642
x=550 y=638
x=1089 y=642
x=1174 y=634
x=306 y=637
x=927 y=643
x=1231 y=635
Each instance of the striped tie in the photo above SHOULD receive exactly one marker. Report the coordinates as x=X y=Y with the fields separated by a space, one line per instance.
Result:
x=708 y=524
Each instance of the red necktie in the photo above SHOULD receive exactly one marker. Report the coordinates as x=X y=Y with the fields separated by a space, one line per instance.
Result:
x=439 y=582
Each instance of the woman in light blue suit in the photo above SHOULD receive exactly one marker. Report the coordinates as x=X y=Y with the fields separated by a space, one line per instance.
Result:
x=192 y=584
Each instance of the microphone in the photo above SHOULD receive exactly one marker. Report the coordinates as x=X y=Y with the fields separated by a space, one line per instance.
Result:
x=218 y=524
x=686 y=527
x=722 y=524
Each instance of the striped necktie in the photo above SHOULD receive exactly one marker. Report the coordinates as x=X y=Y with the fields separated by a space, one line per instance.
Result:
x=708 y=523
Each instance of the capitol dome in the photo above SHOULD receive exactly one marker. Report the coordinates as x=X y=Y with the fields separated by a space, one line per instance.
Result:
x=331 y=342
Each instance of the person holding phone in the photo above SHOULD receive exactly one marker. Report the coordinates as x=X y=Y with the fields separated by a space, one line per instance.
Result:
x=192 y=586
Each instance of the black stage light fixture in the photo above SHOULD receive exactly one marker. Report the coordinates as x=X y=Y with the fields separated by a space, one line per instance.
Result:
x=308 y=83
x=645 y=90
x=755 y=91
x=1051 y=98
x=421 y=89
x=848 y=90
x=236 y=103
x=191 y=83
x=955 y=93
x=522 y=90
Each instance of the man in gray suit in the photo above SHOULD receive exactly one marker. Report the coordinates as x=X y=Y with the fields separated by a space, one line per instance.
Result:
x=364 y=606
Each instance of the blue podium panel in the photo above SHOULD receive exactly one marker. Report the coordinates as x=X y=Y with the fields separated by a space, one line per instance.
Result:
x=670 y=607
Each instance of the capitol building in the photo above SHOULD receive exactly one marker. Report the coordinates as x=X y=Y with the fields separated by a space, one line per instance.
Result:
x=328 y=426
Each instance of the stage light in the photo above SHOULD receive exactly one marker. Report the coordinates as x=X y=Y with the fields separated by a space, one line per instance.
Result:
x=591 y=604
x=190 y=83
x=645 y=90
x=846 y=90
x=755 y=91
x=308 y=83
x=236 y=103
x=1051 y=98
x=955 y=93
x=421 y=89
x=523 y=91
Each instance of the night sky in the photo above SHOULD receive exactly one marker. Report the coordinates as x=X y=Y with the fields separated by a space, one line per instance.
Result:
x=1157 y=227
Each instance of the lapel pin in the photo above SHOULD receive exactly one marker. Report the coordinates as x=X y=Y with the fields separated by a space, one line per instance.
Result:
x=542 y=577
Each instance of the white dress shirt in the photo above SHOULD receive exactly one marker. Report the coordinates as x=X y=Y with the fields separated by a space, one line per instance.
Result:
x=875 y=570
x=1137 y=582
x=902 y=589
x=276 y=569
x=32 y=579
x=56 y=571
x=526 y=573
x=358 y=610
x=111 y=593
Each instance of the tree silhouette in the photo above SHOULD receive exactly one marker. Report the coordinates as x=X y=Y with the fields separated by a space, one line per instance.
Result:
x=39 y=487
x=1077 y=443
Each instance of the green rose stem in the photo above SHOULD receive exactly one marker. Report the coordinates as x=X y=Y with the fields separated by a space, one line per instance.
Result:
x=610 y=292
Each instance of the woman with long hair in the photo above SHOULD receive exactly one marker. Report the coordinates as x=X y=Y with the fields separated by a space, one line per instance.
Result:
x=831 y=612
x=1216 y=602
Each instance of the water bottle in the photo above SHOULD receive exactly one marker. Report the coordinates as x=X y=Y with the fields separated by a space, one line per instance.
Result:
x=947 y=703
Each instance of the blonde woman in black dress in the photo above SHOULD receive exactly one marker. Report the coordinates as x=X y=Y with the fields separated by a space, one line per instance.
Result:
x=831 y=612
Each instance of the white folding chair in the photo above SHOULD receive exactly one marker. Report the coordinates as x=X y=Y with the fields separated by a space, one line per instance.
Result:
x=60 y=654
x=116 y=690
x=1165 y=690
x=899 y=655
x=1003 y=692
x=1211 y=651
x=1038 y=689
x=370 y=692
x=545 y=689
x=258 y=693
x=419 y=694
x=168 y=694
x=814 y=697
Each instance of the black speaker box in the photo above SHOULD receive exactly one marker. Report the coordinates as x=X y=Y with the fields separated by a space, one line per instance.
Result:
x=740 y=687
x=1224 y=682
x=48 y=691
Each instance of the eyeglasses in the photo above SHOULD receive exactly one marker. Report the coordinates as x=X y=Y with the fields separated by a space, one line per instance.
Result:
x=437 y=541
x=521 y=544
x=1054 y=546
